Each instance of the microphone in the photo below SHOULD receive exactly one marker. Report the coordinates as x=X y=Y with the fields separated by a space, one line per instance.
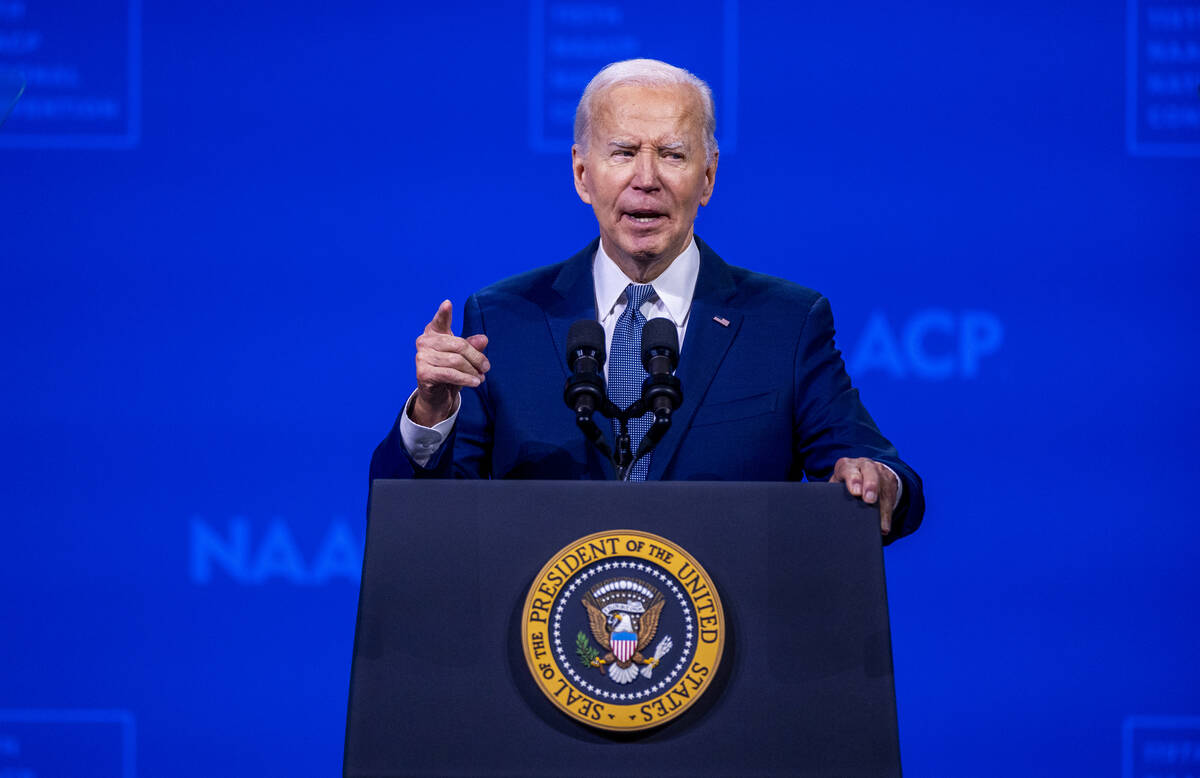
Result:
x=584 y=392
x=661 y=391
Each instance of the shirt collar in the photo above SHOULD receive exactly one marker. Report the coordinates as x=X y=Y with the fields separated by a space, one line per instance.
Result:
x=674 y=288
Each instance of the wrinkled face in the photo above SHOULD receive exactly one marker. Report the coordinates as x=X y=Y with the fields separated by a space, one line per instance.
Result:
x=644 y=172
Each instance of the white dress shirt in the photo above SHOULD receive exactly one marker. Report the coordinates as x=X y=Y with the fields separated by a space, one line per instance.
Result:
x=672 y=298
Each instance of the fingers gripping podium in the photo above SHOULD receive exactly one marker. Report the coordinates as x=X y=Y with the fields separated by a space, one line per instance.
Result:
x=441 y=683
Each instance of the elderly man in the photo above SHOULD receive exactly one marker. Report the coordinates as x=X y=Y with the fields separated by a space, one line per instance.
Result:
x=766 y=395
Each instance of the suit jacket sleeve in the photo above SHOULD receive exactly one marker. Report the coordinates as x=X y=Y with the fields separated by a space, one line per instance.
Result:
x=831 y=421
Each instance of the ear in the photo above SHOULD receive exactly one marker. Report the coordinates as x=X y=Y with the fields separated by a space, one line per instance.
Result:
x=710 y=179
x=578 y=166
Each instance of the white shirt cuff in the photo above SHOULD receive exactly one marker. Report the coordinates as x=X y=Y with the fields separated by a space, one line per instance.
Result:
x=420 y=442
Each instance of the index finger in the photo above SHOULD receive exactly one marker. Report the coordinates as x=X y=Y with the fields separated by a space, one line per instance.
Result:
x=441 y=320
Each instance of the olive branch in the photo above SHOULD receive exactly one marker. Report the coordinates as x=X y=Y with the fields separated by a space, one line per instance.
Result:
x=583 y=647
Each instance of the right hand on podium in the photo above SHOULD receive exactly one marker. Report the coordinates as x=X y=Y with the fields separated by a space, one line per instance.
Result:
x=445 y=364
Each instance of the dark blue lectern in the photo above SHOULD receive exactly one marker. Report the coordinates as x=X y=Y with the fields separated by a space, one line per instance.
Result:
x=440 y=685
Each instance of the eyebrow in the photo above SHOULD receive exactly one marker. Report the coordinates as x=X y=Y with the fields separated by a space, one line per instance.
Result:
x=628 y=144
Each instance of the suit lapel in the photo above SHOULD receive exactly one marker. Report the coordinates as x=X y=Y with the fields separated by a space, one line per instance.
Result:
x=704 y=346
x=576 y=300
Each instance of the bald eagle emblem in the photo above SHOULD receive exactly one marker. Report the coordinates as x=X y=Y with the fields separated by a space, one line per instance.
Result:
x=623 y=617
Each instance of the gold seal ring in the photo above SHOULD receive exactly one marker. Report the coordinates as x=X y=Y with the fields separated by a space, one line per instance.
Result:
x=623 y=630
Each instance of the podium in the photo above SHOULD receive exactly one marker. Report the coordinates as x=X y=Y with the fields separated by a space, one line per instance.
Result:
x=440 y=684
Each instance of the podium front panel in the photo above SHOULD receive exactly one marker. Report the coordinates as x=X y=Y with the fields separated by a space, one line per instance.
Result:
x=440 y=684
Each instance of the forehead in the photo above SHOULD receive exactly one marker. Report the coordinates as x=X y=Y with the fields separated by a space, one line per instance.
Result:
x=647 y=111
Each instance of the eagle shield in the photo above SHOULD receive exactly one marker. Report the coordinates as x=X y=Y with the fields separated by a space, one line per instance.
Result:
x=624 y=644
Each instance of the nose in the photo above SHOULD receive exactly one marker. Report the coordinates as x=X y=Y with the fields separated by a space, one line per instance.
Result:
x=645 y=171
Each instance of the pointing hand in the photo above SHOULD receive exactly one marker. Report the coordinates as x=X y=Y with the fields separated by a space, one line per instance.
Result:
x=445 y=364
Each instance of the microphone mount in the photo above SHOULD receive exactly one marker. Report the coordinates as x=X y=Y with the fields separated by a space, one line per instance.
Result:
x=585 y=391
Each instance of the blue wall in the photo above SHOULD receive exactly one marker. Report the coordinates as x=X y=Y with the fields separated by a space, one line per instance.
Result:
x=222 y=225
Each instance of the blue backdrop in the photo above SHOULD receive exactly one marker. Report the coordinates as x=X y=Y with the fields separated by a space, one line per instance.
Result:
x=223 y=225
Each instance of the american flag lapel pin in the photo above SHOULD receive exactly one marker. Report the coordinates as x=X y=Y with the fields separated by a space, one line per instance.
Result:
x=721 y=320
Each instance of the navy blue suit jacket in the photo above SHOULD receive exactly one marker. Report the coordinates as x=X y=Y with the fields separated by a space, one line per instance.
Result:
x=766 y=396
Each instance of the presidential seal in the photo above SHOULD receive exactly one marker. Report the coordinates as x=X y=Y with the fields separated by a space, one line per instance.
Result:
x=623 y=630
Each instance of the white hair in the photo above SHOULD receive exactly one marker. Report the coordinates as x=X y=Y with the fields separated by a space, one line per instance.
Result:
x=645 y=72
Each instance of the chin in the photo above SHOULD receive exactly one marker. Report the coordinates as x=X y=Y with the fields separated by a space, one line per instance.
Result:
x=647 y=253
x=644 y=250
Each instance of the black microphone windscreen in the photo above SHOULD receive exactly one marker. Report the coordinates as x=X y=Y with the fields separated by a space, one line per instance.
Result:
x=585 y=334
x=660 y=334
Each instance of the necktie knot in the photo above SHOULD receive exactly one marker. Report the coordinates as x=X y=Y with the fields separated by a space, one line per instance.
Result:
x=636 y=295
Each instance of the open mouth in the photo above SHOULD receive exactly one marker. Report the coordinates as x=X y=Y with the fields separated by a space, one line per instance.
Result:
x=645 y=217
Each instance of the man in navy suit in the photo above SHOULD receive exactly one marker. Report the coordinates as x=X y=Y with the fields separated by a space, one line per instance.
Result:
x=766 y=395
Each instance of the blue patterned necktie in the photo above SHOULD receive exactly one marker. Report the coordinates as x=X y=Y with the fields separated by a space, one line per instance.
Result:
x=625 y=371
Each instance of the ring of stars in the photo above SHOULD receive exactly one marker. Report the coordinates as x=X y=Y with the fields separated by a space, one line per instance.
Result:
x=579 y=582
